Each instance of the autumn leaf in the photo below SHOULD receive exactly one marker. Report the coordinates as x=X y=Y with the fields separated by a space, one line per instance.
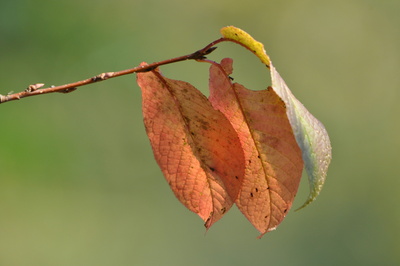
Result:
x=310 y=133
x=195 y=145
x=273 y=163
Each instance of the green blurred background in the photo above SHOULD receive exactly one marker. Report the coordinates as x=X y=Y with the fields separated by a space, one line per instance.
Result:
x=79 y=185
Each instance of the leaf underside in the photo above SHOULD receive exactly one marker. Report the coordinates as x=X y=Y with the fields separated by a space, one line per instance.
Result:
x=310 y=134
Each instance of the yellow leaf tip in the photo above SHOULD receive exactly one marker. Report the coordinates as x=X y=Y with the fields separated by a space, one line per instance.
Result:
x=243 y=38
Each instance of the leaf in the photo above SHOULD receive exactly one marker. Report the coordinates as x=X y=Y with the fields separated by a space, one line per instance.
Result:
x=191 y=142
x=311 y=136
x=273 y=163
x=310 y=133
x=243 y=38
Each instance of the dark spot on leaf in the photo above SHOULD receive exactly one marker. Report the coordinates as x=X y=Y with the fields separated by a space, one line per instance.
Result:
x=204 y=124
x=285 y=210
x=231 y=78
x=267 y=187
x=256 y=189
x=236 y=177
x=258 y=157
x=192 y=133
x=266 y=216
x=223 y=210
x=251 y=194
x=284 y=104
x=207 y=223
x=212 y=169
x=186 y=119
x=249 y=161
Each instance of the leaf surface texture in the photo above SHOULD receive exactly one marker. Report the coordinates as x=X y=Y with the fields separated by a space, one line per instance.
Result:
x=195 y=145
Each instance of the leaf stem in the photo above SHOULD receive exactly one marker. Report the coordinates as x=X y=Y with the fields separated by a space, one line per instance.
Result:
x=36 y=89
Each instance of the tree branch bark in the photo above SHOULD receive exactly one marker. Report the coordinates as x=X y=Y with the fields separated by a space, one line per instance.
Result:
x=36 y=89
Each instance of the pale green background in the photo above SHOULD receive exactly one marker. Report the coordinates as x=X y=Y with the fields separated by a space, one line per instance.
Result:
x=78 y=182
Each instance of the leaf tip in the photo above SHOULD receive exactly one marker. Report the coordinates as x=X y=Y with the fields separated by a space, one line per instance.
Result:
x=308 y=201
x=317 y=176
x=267 y=231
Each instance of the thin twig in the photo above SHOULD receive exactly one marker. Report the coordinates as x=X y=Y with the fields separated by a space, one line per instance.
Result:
x=36 y=89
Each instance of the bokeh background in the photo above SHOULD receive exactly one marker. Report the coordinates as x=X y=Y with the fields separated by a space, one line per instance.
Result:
x=78 y=182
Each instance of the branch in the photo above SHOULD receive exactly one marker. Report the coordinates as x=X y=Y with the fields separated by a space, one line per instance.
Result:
x=36 y=89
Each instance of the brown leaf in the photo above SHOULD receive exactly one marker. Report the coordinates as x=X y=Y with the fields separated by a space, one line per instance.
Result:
x=273 y=162
x=195 y=146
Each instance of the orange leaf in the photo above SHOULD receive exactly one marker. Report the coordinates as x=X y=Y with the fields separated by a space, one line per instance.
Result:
x=273 y=162
x=195 y=146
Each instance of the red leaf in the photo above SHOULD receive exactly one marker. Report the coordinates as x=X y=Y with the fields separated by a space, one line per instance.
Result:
x=195 y=146
x=273 y=162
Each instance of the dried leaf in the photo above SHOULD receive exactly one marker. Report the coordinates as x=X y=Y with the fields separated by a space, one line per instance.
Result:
x=273 y=163
x=191 y=142
x=310 y=133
